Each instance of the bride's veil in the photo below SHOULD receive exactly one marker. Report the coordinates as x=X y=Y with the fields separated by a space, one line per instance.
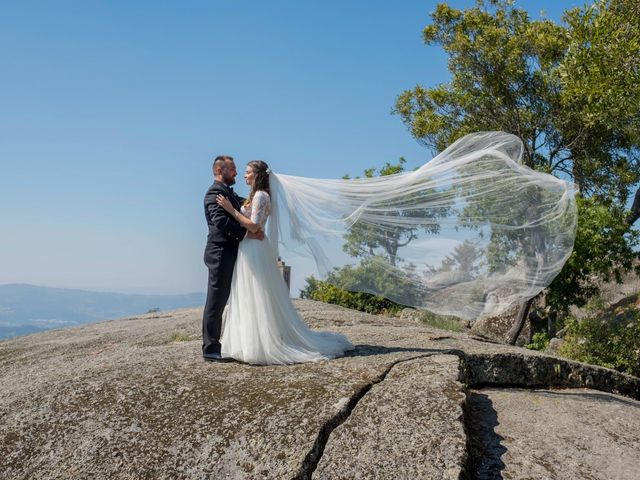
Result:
x=470 y=233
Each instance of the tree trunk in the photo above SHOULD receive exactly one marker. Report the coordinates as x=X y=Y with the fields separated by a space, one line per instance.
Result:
x=635 y=210
x=518 y=325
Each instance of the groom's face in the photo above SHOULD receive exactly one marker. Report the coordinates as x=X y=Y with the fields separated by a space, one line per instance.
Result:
x=229 y=172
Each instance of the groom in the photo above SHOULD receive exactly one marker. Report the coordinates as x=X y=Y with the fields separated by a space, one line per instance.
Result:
x=225 y=235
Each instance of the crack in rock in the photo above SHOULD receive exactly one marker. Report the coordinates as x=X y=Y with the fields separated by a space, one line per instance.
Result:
x=481 y=370
x=311 y=460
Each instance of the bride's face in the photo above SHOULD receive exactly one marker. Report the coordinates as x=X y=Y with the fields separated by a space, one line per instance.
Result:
x=249 y=174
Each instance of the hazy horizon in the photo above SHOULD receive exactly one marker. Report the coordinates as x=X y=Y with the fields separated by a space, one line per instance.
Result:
x=26 y=309
x=131 y=291
x=123 y=290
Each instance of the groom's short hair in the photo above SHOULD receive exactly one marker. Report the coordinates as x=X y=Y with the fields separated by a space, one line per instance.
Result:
x=219 y=161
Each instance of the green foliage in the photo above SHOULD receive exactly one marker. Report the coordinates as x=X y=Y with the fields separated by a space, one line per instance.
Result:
x=444 y=322
x=612 y=342
x=570 y=93
x=374 y=274
x=367 y=240
x=464 y=259
x=604 y=249
x=365 y=302
x=600 y=70
x=380 y=268
x=501 y=65
x=347 y=286
x=599 y=76
x=539 y=341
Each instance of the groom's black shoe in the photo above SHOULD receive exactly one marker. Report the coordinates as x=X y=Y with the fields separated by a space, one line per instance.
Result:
x=215 y=357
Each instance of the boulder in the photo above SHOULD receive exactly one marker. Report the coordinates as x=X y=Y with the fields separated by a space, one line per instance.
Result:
x=496 y=328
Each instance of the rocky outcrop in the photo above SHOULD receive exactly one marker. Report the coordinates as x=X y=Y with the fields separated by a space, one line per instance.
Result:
x=497 y=328
x=132 y=398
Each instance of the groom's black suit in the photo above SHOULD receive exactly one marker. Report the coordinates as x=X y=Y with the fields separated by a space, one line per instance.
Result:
x=220 y=254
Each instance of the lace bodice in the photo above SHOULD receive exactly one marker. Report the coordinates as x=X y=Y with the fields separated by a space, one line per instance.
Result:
x=259 y=209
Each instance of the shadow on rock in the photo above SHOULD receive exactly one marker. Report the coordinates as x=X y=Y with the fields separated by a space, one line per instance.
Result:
x=485 y=448
x=364 y=350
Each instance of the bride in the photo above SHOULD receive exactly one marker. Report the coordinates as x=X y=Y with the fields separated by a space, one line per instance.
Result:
x=261 y=325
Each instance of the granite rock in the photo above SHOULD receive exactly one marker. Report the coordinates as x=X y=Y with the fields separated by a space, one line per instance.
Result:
x=496 y=328
x=132 y=398
x=410 y=423
x=555 y=434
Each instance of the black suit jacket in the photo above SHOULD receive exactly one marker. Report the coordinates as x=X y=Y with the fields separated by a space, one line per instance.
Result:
x=222 y=226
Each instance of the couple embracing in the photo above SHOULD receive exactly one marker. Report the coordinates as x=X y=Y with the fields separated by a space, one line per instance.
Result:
x=259 y=324
x=514 y=227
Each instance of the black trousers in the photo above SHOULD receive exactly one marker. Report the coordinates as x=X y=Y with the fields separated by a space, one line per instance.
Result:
x=220 y=258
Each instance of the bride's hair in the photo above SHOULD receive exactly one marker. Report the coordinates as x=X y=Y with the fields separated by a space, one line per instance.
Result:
x=260 y=179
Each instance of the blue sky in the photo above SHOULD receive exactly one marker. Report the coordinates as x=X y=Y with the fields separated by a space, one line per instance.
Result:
x=110 y=114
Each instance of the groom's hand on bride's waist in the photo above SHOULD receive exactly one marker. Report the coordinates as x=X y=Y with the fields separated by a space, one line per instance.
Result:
x=259 y=235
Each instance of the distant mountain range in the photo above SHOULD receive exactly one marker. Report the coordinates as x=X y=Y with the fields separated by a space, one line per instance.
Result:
x=27 y=309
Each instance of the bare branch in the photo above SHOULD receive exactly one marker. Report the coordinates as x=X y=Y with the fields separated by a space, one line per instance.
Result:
x=411 y=237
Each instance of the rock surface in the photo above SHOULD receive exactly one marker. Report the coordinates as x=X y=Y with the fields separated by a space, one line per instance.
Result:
x=497 y=328
x=132 y=398
x=409 y=423
x=580 y=433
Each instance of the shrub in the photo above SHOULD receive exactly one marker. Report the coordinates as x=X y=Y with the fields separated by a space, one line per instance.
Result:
x=365 y=302
x=610 y=341
x=539 y=341
x=443 y=322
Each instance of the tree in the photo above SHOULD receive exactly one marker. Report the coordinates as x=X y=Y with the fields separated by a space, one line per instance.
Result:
x=366 y=240
x=570 y=92
x=464 y=258
x=600 y=78
x=380 y=269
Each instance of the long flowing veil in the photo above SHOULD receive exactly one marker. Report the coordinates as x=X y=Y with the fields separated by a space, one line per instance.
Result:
x=470 y=233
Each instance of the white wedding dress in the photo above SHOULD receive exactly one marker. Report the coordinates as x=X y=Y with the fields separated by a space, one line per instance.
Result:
x=261 y=325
